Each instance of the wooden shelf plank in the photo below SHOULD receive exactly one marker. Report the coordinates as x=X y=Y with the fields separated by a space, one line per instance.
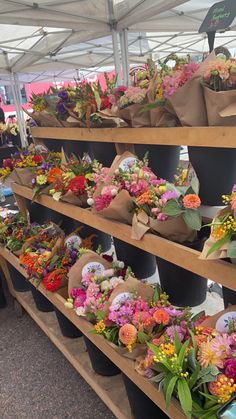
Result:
x=190 y=136
x=216 y=270
x=110 y=389
x=126 y=365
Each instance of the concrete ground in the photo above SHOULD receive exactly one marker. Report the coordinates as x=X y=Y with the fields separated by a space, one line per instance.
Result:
x=36 y=381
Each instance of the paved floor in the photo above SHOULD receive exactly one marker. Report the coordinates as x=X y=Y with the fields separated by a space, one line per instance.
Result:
x=36 y=381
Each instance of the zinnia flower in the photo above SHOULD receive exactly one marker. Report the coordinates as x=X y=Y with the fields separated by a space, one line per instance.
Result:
x=207 y=356
x=53 y=174
x=191 y=201
x=77 y=185
x=41 y=179
x=161 y=316
x=128 y=334
x=54 y=280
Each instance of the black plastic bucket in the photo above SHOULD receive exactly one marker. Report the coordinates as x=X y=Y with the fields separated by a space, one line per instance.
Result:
x=141 y=406
x=206 y=163
x=163 y=160
x=41 y=302
x=20 y=284
x=185 y=288
x=68 y=329
x=3 y=301
x=100 y=363
x=143 y=264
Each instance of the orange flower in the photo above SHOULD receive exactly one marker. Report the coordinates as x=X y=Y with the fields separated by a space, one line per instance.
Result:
x=54 y=173
x=191 y=201
x=128 y=334
x=161 y=316
x=145 y=198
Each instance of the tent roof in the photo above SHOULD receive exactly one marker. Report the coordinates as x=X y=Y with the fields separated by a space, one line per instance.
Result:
x=54 y=37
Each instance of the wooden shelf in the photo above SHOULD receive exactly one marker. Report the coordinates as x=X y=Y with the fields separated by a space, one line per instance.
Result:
x=190 y=136
x=111 y=391
x=216 y=270
x=126 y=365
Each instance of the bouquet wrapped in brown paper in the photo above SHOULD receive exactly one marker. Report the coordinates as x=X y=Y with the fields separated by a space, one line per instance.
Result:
x=116 y=187
x=222 y=241
x=219 y=80
x=171 y=210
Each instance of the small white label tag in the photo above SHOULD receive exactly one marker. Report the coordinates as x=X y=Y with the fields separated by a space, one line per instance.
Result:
x=222 y=323
x=93 y=267
x=121 y=298
x=127 y=163
x=73 y=242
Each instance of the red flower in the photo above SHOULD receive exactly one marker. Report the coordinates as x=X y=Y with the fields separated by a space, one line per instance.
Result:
x=54 y=280
x=77 y=185
x=8 y=163
x=109 y=258
x=105 y=103
x=37 y=159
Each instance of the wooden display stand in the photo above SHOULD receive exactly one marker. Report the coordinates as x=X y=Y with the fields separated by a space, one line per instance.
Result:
x=111 y=389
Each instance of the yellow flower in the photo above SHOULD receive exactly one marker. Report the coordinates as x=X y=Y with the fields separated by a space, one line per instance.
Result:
x=162 y=188
x=41 y=179
x=100 y=327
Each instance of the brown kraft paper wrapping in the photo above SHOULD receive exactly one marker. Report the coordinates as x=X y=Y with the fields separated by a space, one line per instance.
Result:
x=188 y=102
x=71 y=198
x=59 y=243
x=133 y=115
x=118 y=160
x=221 y=107
x=119 y=209
x=211 y=321
x=23 y=176
x=75 y=273
x=44 y=119
x=174 y=228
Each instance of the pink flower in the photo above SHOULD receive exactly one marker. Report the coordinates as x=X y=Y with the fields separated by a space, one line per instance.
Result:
x=138 y=188
x=161 y=217
x=230 y=368
x=93 y=290
x=87 y=279
x=170 y=331
x=112 y=99
x=108 y=190
x=221 y=345
x=80 y=299
x=155 y=211
x=102 y=202
x=169 y=195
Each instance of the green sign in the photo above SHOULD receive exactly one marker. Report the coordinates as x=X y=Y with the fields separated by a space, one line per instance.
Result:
x=219 y=17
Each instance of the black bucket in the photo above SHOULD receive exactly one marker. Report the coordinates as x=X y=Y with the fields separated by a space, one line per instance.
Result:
x=100 y=363
x=163 y=160
x=141 y=406
x=206 y=163
x=20 y=284
x=41 y=302
x=229 y=297
x=3 y=301
x=185 y=288
x=68 y=329
x=143 y=264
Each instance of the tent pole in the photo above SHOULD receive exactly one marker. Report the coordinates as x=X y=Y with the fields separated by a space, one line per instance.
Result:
x=19 y=112
x=125 y=56
x=116 y=54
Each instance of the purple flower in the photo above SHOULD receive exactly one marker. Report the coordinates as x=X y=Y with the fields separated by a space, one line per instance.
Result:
x=63 y=95
x=234 y=188
x=170 y=331
x=169 y=195
x=173 y=312
x=33 y=181
x=61 y=108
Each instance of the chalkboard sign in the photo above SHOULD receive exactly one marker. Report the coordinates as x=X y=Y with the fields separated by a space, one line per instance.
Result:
x=219 y=17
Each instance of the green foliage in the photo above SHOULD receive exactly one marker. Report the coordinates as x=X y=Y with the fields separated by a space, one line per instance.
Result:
x=218 y=244
x=193 y=219
x=231 y=252
x=185 y=397
x=172 y=208
x=206 y=375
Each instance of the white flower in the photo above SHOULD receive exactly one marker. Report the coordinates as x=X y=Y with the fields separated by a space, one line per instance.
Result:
x=57 y=196
x=116 y=280
x=90 y=201
x=121 y=264
x=114 y=192
x=105 y=285
x=68 y=303
x=80 y=311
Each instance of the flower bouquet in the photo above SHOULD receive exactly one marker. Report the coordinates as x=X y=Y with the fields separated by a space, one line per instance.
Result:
x=170 y=209
x=44 y=177
x=115 y=188
x=222 y=241
x=75 y=177
x=91 y=294
x=38 y=251
x=20 y=234
x=195 y=362
x=219 y=81
x=56 y=271
x=9 y=224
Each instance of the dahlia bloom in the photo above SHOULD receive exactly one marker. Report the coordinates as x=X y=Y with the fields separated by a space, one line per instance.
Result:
x=191 y=201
